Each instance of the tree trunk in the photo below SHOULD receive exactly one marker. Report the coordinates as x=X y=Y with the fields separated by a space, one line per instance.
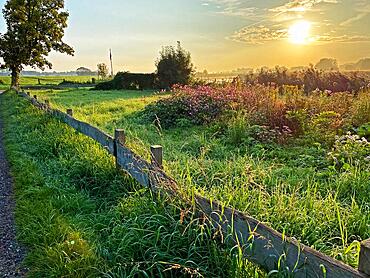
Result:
x=15 y=78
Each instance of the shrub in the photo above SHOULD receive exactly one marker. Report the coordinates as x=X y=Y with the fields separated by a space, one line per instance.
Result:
x=181 y=107
x=174 y=67
x=128 y=81
x=364 y=130
x=360 y=110
x=350 y=150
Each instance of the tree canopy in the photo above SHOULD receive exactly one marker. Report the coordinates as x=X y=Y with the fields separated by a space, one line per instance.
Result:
x=174 y=66
x=34 y=29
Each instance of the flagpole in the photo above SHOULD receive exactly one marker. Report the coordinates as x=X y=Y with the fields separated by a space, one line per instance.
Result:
x=111 y=62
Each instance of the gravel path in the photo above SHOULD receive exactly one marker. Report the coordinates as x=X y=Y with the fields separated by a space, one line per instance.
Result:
x=11 y=253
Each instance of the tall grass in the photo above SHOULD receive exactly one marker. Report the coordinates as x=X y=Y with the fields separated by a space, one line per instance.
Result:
x=293 y=187
x=79 y=217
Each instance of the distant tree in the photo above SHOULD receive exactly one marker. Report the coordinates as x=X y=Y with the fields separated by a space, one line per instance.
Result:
x=174 y=66
x=34 y=28
x=82 y=71
x=327 y=64
x=102 y=71
x=363 y=64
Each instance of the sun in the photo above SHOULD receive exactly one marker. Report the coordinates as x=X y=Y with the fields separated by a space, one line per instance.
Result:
x=299 y=32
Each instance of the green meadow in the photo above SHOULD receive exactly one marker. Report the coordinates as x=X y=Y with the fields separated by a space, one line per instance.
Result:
x=80 y=217
x=292 y=187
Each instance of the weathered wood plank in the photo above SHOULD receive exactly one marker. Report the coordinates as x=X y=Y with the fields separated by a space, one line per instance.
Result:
x=264 y=246
x=137 y=167
x=364 y=264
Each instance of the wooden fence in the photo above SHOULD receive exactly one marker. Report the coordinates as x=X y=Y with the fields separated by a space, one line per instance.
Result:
x=260 y=243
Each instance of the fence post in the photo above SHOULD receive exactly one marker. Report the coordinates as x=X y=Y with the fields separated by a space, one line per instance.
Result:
x=70 y=112
x=364 y=264
x=157 y=155
x=119 y=138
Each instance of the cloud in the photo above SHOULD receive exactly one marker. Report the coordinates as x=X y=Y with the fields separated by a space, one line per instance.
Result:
x=299 y=6
x=264 y=16
x=342 y=38
x=354 y=19
x=234 y=8
x=362 y=8
x=258 y=34
x=262 y=34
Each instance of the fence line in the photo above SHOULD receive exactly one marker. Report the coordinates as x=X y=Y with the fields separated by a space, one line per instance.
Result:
x=260 y=243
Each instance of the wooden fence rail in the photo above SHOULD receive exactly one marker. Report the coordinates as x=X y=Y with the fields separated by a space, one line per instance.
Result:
x=260 y=243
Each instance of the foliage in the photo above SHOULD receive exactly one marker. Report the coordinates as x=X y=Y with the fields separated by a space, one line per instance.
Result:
x=360 y=110
x=364 y=130
x=196 y=107
x=174 y=67
x=34 y=28
x=310 y=79
x=102 y=71
x=327 y=64
x=350 y=149
x=72 y=82
x=317 y=117
x=128 y=81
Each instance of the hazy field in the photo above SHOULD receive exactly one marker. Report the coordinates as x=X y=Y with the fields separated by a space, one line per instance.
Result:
x=292 y=187
x=44 y=80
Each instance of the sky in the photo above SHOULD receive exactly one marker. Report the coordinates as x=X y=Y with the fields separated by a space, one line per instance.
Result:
x=221 y=35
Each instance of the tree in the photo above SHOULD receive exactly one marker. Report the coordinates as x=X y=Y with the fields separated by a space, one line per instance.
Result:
x=174 y=67
x=327 y=64
x=102 y=71
x=34 y=28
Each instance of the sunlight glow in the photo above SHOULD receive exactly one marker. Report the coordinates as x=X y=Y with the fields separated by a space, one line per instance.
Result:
x=299 y=32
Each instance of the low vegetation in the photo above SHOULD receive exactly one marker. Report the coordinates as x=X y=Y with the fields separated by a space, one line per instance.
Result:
x=80 y=217
x=286 y=159
x=129 y=81
x=310 y=79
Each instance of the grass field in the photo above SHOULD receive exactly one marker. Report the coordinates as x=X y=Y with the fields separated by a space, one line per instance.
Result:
x=291 y=187
x=79 y=217
x=44 y=80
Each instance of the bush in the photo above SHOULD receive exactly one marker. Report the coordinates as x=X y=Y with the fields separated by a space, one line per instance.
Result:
x=129 y=81
x=2 y=82
x=360 y=111
x=204 y=104
x=350 y=150
x=174 y=67
x=364 y=130
x=181 y=107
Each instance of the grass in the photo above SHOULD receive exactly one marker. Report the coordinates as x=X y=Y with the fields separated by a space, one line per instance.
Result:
x=79 y=217
x=293 y=187
x=44 y=80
